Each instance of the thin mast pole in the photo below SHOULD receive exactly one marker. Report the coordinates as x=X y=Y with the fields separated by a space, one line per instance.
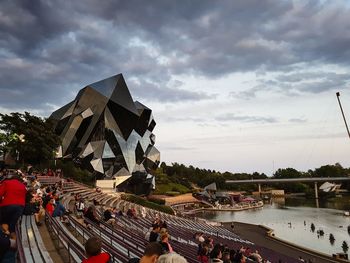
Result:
x=342 y=112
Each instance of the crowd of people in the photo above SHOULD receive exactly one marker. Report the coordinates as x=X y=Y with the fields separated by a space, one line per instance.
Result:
x=210 y=252
x=22 y=194
x=207 y=252
x=159 y=249
x=87 y=210
x=153 y=253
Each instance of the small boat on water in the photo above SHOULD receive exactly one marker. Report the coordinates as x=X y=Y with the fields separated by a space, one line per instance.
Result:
x=346 y=213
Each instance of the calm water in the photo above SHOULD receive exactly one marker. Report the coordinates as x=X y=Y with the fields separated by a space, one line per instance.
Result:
x=291 y=220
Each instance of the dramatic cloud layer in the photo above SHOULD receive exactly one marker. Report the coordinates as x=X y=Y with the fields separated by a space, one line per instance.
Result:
x=185 y=57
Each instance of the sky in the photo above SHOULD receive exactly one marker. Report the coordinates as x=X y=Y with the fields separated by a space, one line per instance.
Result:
x=239 y=86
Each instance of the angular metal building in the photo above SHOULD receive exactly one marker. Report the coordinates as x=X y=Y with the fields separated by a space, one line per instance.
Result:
x=106 y=132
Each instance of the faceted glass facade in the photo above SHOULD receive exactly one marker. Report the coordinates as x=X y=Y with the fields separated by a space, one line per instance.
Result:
x=108 y=133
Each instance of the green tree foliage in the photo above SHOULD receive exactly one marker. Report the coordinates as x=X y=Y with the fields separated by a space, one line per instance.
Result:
x=75 y=173
x=292 y=173
x=141 y=201
x=330 y=171
x=190 y=176
x=38 y=141
x=287 y=173
x=5 y=142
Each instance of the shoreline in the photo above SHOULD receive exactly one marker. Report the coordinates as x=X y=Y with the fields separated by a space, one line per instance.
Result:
x=263 y=236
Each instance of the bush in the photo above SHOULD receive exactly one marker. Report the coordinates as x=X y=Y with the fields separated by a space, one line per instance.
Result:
x=171 y=187
x=140 y=201
x=75 y=173
x=156 y=200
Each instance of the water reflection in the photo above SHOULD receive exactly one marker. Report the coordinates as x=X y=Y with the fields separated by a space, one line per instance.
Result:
x=292 y=219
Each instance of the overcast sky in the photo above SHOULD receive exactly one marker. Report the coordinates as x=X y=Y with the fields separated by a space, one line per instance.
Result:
x=238 y=86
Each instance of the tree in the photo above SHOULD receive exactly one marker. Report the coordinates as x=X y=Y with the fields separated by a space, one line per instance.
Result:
x=38 y=143
x=5 y=140
x=330 y=171
x=287 y=173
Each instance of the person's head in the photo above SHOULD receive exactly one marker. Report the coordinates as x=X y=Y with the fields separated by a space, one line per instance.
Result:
x=152 y=251
x=201 y=239
x=90 y=209
x=156 y=228
x=216 y=253
x=164 y=237
x=240 y=257
x=171 y=258
x=93 y=246
x=226 y=256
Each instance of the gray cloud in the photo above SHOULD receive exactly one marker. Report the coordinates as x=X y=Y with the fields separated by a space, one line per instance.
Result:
x=245 y=118
x=50 y=49
x=178 y=148
x=297 y=83
x=297 y=120
x=186 y=119
x=153 y=91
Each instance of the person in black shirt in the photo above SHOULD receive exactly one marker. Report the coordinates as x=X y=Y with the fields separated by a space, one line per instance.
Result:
x=153 y=237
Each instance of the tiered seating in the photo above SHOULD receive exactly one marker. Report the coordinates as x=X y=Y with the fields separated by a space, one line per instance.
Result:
x=127 y=238
x=31 y=248
x=48 y=180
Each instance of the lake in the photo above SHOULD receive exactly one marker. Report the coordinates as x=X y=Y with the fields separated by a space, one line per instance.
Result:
x=291 y=220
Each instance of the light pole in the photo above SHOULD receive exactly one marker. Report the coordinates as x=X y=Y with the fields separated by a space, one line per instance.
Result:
x=342 y=112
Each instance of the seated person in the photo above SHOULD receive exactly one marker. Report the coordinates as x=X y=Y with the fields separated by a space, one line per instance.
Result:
x=164 y=241
x=133 y=213
x=93 y=251
x=108 y=216
x=91 y=215
x=164 y=225
x=95 y=202
x=171 y=258
x=34 y=206
x=80 y=207
x=129 y=213
x=50 y=207
x=153 y=237
x=152 y=251
x=157 y=221
x=60 y=210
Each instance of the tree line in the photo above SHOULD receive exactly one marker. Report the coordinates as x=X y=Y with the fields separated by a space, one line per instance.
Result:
x=191 y=177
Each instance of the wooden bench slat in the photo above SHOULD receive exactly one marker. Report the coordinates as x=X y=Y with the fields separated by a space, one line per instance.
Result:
x=31 y=240
x=40 y=242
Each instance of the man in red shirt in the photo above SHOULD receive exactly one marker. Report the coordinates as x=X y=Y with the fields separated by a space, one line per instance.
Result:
x=12 y=201
x=93 y=251
x=50 y=207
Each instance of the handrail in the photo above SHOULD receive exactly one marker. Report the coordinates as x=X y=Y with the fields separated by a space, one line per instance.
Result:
x=69 y=244
x=21 y=256
x=106 y=246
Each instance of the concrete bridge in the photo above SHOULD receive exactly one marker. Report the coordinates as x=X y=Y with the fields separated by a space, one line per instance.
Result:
x=314 y=180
